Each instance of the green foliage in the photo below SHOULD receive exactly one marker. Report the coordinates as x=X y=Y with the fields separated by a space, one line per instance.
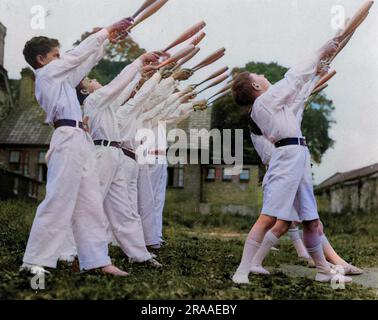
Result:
x=199 y=259
x=317 y=118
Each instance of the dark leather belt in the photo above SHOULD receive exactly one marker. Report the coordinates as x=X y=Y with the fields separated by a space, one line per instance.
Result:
x=68 y=123
x=129 y=154
x=106 y=143
x=291 y=142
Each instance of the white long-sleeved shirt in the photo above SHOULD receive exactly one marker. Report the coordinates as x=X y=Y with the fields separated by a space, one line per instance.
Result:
x=159 y=101
x=161 y=93
x=56 y=82
x=101 y=106
x=262 y=145
x=129 y=114
x=276 y=111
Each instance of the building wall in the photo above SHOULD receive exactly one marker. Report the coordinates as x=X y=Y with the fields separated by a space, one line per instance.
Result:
x=17 y=186
x=186 y=199
x=33 y=158
x=201 y=196
x=357 y=196
x=235 y=196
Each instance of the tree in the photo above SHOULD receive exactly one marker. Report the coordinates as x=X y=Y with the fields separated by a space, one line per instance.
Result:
x=317 y=118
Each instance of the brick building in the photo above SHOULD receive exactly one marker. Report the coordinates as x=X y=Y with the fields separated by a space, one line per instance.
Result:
x=206 y=188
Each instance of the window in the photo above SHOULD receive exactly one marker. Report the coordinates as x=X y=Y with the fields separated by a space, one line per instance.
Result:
x=176 y=176
x=245 y=175
x=14 y=157
x=42 y=157
x=210 y=174
x=19 y=162
x=225 y=176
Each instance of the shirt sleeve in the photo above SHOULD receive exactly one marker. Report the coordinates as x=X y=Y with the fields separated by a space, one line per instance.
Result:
x=182 y=112
x=299 y=104
x=153 y=113
x=111 y=94
x=170 y=105
x=285 y=92
x=263 y=147
x=134 y=105
x=161 y=93
x=75 y=64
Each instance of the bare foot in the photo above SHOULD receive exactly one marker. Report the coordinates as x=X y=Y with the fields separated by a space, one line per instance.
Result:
x=114 y=271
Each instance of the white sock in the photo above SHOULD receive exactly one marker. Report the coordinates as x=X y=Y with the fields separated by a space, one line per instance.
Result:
x=298 y=243
x=270 y=240
x=250 y=249
x=317 y=255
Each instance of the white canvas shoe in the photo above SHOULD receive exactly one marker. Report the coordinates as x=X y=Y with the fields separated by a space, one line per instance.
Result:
x=240 y=278
x=259 y=270
x=328 y=276
x=33 y=269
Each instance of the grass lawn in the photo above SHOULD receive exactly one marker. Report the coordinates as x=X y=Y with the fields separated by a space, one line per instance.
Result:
x=201 y=255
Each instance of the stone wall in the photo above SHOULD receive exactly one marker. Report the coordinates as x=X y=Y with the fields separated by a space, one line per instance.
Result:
x=350 y=197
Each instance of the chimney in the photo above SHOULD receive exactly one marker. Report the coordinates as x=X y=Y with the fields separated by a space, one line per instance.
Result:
x=27 y=96
x=3 y=32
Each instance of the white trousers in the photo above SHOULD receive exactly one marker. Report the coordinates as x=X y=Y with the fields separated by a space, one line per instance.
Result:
x=73 y=200
x=118 y=184
x=146 y=206
x=158 y=176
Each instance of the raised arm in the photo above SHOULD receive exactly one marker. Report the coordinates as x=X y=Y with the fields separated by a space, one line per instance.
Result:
x=134 y=105
x=77 y=63
x=162 y=91
x=108 y=95
x=286 y=91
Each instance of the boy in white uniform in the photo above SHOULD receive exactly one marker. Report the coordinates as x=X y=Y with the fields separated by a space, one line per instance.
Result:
x=157 y=171
x=155 y=92
x=129 y=122
x=265 y=148
x=73 y=197
x=288 y=179
x=100 y=107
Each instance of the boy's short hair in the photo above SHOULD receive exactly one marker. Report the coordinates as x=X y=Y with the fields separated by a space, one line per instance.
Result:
x=242 y=90
x=81 y=91
x=38 y=46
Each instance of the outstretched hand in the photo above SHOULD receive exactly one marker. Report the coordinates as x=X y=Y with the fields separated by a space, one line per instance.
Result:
x=183 y=74
x=119 y=29
x=200 y=105
x=329 y=49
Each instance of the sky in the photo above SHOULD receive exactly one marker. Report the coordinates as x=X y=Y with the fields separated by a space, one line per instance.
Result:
x=282 y=31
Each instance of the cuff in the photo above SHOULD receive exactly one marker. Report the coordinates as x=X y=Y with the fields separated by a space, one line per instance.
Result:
x=103 y=34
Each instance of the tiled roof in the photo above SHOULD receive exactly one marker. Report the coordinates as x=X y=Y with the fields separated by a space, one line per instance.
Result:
x=348 y=176
x=25 y=125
